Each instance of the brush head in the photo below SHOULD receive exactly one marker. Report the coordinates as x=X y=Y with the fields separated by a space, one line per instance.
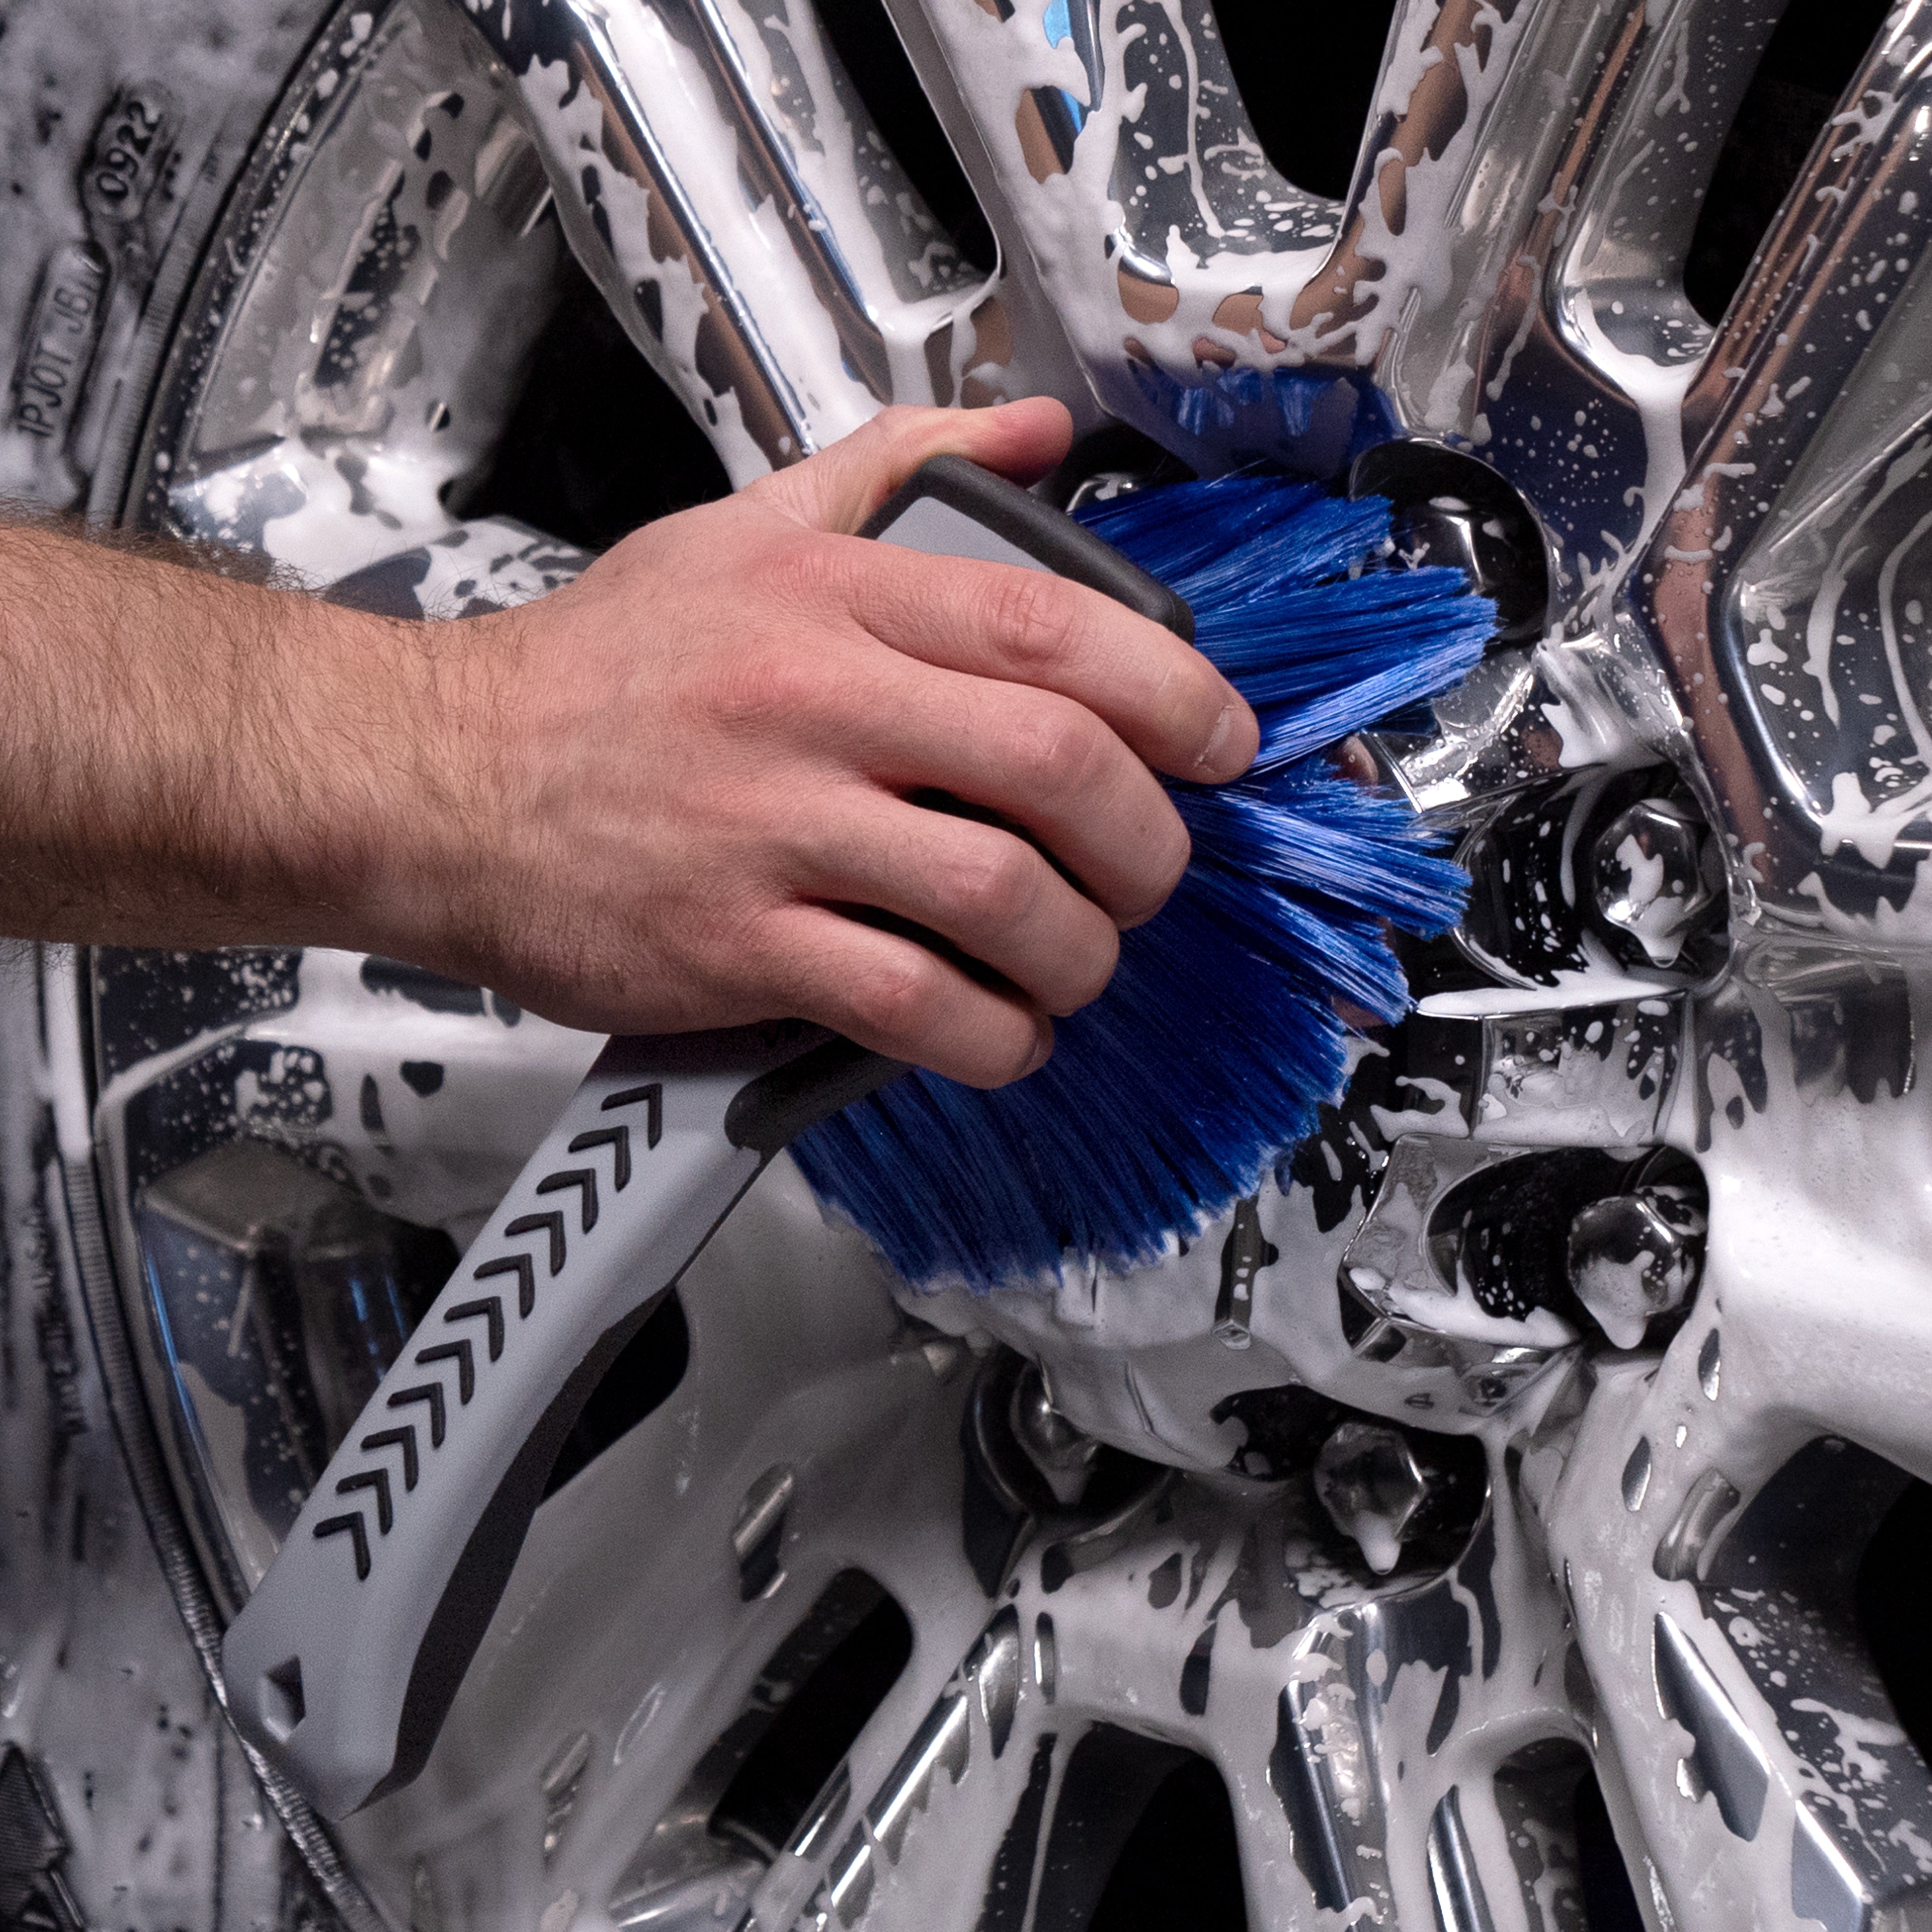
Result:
x=1204 y=1061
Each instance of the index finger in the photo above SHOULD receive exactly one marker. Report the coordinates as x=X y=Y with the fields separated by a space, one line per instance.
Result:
x=1161 y=696
x=840 y=487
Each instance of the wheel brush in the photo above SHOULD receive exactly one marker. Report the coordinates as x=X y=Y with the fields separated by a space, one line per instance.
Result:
x=1164 y=1100
x=1221 y=1033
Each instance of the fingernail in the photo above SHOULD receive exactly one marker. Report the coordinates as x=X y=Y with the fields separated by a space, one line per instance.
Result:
x=1215 y=751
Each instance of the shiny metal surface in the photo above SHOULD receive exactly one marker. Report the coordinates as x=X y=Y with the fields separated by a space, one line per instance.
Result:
x=383 y=273
x=722 y=181
x=1507 y=181
x=1366 y=1478
x=1635 y=1256
x=1801 y=520
x=1652 y=879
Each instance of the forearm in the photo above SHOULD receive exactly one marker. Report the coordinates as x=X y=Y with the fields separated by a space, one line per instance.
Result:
x=186 y=760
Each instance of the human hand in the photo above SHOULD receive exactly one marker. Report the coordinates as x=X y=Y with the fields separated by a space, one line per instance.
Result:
x=681 y=791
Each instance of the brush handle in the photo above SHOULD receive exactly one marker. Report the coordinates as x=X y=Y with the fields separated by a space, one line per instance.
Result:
x=342 y=1666
x=952 y=507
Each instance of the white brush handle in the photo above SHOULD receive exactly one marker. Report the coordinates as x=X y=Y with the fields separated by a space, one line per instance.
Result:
x=343 y=1664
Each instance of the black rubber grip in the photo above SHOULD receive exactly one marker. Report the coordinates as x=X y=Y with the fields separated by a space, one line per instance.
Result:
x=1049 y=536
x=771 y=1111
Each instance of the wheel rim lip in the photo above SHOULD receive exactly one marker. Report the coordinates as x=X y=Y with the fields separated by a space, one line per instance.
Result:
x=390 y=481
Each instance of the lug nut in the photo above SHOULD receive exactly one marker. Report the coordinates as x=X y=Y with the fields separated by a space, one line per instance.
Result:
x=1367 y=1480
x=1650 y=878
x=1636 y=1255
x=1061 y=1453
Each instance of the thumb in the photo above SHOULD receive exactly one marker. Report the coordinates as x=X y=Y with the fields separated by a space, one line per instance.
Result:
x=839 y=488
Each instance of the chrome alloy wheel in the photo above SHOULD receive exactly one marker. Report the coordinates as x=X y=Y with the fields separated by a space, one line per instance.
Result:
x=1541 y=1456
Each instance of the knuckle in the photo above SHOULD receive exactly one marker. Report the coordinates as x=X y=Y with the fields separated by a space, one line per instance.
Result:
x=894 y=439
x=1038 y=618
x=809 y=570
x=1060 y=749
x=897 y=422
x=759 y=690
x=893 y=997
x=992 y=883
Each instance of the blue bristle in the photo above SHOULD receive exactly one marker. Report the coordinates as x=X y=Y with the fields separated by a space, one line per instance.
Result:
x=1174 y=1093
x=1295 y=414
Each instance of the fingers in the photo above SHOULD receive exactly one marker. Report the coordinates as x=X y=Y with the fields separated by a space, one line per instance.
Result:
x=1163 y=698
x=1038 y=760
x=1028 y=627
x=985 y=889
x=896 y=997
x=841 y=486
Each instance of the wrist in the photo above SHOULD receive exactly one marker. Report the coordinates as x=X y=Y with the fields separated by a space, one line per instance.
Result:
x=401 y=719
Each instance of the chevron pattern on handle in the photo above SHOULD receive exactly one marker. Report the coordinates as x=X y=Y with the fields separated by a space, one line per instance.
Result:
x=372 y=1479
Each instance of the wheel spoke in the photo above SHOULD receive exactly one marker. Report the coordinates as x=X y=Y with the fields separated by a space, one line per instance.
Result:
x=715 y=172
x=1230 y=288
x=1780 y=588
x=1745 y=1740
x=426 y=1095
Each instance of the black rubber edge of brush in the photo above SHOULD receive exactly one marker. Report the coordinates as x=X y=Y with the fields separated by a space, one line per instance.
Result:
x=1049 y=536
x=770 y=1112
